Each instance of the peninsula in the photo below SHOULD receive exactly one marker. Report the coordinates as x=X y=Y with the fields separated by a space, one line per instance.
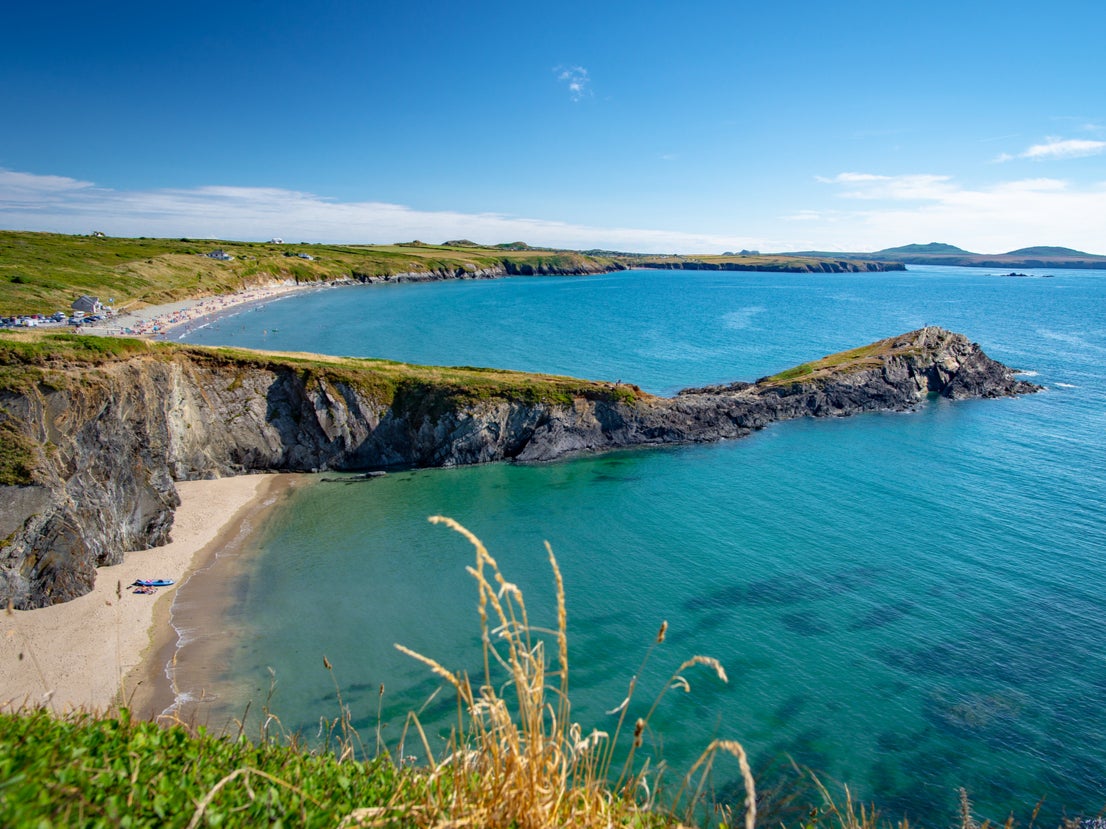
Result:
x=96 y=431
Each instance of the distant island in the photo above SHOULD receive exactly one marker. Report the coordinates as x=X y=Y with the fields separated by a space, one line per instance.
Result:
x=939 y=253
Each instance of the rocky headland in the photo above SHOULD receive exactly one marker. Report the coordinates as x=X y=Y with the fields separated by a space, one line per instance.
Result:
x=821 y=264
x=96 y=431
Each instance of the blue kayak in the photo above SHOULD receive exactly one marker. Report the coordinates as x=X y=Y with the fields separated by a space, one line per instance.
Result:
x=153 y=582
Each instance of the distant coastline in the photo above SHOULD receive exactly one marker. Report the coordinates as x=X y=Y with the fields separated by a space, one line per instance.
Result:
x=43 y=274
x=939 y=253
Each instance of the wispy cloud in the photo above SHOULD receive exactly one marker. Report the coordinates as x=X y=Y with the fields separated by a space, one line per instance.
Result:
x=869 y=186
x=1058 y=148
x=872 y=211
x=992 y=219
x=65 y=205
x=576 y=79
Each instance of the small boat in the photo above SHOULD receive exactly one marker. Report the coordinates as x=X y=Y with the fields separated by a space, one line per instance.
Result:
x=152 y=582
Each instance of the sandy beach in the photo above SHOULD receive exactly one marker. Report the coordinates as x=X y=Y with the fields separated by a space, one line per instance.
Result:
x=160 y=321
x=96 y=650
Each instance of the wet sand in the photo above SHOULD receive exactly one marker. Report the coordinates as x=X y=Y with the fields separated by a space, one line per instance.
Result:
x=192 y=657
x=103 y=649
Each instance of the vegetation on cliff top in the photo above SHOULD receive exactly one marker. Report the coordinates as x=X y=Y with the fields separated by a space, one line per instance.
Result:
x=852 y=361
x=30 y=356
x=31 y=360
x=45 y=272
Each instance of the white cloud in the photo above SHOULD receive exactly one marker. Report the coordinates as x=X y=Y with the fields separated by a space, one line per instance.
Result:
x=62 y=205
x=29 y=189
x=871 y=212
x=992 y=219
x=576 y=79
x=869 y=186
x=1058 y=148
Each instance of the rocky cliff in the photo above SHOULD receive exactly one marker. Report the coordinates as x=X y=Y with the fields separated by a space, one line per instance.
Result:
x=779 y=264
x=95 y=442
x=559 y=265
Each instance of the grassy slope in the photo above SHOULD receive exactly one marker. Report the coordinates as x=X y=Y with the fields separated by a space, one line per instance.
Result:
x=88 y=771
x=844 y=362
x=45 y=272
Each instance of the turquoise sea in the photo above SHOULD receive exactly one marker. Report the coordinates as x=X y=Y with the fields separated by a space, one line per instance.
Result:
x=907 y=603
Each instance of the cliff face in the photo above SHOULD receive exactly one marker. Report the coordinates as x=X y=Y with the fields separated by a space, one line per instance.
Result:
x=557 y=266
x=112 y=441
x=785 y=266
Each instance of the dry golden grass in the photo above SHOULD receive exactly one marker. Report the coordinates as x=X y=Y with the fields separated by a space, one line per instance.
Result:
x=516 y=758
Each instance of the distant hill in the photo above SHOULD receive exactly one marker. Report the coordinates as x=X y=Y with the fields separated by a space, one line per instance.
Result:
x=932 y=247
x=941 y=253
x=1045 y=250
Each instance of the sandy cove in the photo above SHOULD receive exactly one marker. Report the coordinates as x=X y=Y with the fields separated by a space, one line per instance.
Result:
x=94 y=651
x=160 y=320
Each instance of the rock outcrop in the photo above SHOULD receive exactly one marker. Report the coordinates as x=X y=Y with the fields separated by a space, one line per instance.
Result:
x=110 y=439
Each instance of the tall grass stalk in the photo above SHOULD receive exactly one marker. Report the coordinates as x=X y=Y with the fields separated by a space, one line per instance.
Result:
x=516 y=759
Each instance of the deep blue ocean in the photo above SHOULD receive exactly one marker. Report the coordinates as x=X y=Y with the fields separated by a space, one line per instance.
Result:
x=906 y=603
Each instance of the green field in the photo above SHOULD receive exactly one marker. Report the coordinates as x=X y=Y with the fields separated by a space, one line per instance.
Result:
x=45 y=272
x=41 y=273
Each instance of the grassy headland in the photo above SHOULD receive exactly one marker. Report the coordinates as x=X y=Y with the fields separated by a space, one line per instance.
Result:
x=30 y=356
x=44 y=272
x=844 y=362
x=31 y=359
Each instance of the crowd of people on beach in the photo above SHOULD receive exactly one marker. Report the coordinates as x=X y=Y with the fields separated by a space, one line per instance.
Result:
x=156 y=321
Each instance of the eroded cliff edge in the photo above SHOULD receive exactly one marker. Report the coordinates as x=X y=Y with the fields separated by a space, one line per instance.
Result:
x=95 y=433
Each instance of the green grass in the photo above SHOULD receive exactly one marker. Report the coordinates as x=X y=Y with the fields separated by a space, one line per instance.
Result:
x=414 y=389
x=114 y=771
x=845 y=362
x=45 y=272
x=18 y=456
x=789 y=263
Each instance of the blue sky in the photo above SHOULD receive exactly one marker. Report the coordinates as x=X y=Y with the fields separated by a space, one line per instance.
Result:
x=652 y=126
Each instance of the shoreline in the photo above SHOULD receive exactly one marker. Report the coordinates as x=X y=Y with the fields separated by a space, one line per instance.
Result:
x=98 y=651
x=157 y=321
x=187 y=622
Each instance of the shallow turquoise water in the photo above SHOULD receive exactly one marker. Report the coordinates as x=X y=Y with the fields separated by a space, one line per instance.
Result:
x=908 y=603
